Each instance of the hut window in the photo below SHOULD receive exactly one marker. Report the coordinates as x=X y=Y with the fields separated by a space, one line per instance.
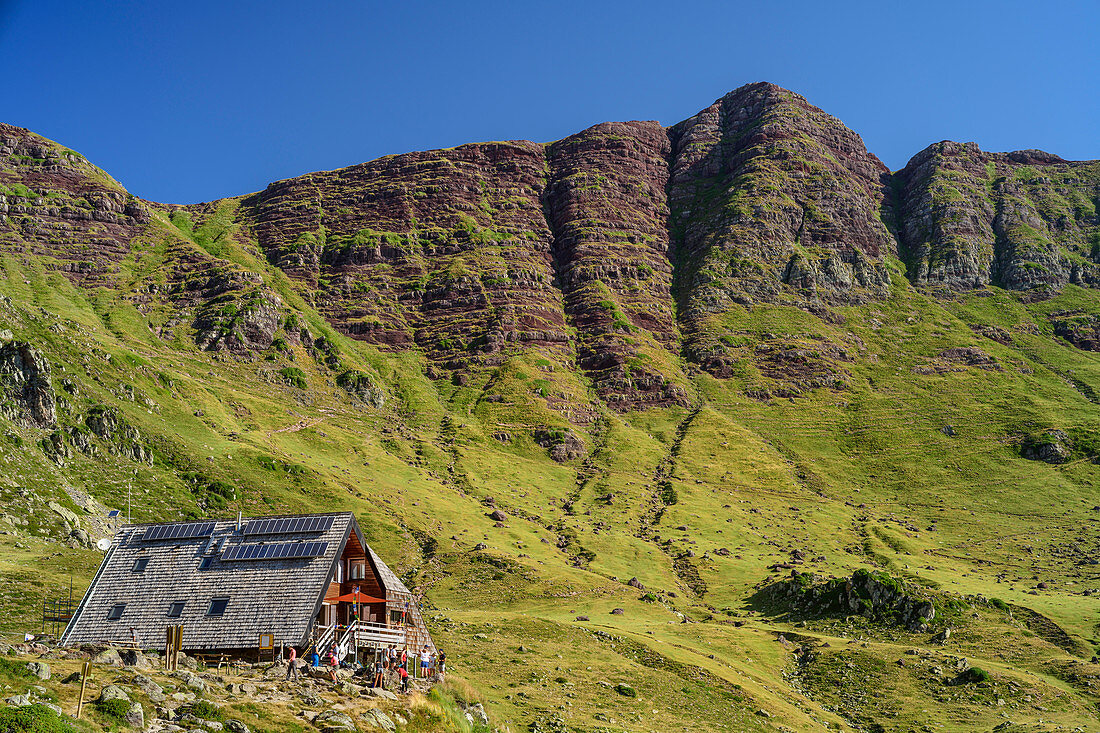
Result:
x=340 y=573
x=116 y=612
x=175 y=609
x=357 y=570
x=206 y=562
x=217 y=607
x=139 y=565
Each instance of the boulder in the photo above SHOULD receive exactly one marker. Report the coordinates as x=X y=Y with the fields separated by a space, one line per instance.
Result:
x=375 y=718
x=236 y=726
x=379 y=693
x=154 y=691
x=134 y=658
x=192 y=680
x=108 y=656
x=626 y=690
x=477 y=711
x=135 y=716
x=41 y=670
x=1052 y=446
x=64 y=513
x=333 y=721
x=348 y=688
x=113 y=692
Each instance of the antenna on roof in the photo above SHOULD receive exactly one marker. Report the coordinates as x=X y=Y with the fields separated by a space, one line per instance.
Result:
x=238 y=521
x=129 y=516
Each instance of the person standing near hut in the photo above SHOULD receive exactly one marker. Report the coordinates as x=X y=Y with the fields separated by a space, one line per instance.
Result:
x=404 y=678
x=379 y=673
x=441 y=667
x=292 y=667
x=333 y=663
x=425 y=661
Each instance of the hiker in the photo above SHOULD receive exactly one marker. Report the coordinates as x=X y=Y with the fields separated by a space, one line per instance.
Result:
x=442 y=666
x=333 y=664
x=292 y=667
x=404 y=678
x=379 y=675
x=425 y=661
x=315 y=658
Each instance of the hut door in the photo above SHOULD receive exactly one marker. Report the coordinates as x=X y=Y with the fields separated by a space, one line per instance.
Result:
x=330 y=615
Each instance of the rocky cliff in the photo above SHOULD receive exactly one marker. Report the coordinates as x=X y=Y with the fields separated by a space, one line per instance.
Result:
x=1022 y=221
x=621 y=253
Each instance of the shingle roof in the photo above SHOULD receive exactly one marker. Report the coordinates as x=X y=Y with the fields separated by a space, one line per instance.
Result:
x=278 y=596
x=389 y=579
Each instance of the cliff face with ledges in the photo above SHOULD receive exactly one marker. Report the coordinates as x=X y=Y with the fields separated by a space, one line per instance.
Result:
x=55 y=204
x=1023 y=221
x=772 y=200
x=607 y=207
x=446 y=250
x=624 y=256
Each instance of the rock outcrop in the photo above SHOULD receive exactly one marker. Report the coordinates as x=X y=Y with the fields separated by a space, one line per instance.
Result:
x=27 y=395
x=873 y=595
x=1023 y=221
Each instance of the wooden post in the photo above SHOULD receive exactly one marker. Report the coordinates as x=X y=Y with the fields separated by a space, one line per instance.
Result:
x=83 y=686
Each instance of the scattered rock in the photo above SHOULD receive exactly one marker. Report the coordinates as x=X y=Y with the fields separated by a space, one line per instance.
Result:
x=135 y=716
x=41 y=670
x=375 y=718
x=1052 y=446
x=626 y=690
x=113 y=692
x=617 y=611
x=333 y=721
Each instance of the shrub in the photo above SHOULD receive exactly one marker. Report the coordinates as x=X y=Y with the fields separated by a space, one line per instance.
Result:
x=33 y=719
x=206 y=710
x=113 y=710
x=973 y=676
x=294 y=377
x=8 y=668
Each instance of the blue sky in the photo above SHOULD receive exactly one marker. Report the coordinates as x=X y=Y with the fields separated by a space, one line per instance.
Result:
x=193 y=101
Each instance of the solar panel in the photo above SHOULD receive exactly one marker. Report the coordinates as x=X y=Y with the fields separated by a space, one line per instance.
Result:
x=113 y=513
x=287 y=525
x=179 y=531
x=274 y=551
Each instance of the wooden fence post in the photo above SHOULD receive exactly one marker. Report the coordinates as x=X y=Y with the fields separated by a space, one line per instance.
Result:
x=83 y=686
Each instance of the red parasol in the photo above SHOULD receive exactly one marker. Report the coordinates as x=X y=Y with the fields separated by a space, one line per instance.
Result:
x=359 y=598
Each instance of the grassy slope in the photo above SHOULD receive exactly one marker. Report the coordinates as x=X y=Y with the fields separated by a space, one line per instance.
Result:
x=856 y=477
